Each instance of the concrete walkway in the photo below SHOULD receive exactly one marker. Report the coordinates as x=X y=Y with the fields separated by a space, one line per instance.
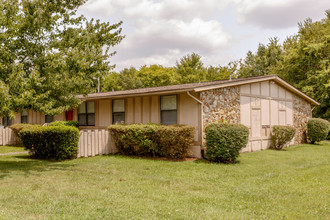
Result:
x=13 y=153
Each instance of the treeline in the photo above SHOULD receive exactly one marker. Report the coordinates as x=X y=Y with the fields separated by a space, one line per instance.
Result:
x=189 y=69
x=302 y=60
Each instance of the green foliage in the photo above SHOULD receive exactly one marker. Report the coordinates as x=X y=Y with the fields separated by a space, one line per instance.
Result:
x=303 y=60
x=152 y=139
x=224 y=141
x=65 y=123
x=51 y=142
x=135 y=139
x=190 y=69
x=18 y=127
x=126 y=79
x=317 y=129
x=263 y=62
x=49 y=53
x=281 y=135
x=174 y=140
x=157 y=75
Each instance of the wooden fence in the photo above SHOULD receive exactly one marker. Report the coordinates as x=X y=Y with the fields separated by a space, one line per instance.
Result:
x=91 y=142
x=7 y=137
x=95 y=142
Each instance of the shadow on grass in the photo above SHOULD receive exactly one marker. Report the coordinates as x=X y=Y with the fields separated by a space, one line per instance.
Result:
x=24 y=163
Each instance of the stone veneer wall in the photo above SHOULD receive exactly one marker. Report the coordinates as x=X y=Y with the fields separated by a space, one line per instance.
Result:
x=301 y=113
x=221 y=105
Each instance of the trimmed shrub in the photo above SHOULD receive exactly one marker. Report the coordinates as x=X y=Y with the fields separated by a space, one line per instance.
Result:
x=18 y=127
x=224 y=141
x=51 y=142
x=282 y=135
x=317 y=129
x=174 y=140
x=152 y=139
x=65 y=123
x=135 y=139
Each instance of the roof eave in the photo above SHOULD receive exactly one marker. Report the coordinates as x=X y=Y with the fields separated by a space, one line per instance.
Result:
x=135 y=94
x=271 y=77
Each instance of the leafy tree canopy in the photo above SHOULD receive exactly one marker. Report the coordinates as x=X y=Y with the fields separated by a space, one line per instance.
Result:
x=48 y=54
x=303 y=60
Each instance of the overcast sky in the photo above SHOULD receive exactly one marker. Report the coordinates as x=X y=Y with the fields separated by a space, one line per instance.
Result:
x=163 y=31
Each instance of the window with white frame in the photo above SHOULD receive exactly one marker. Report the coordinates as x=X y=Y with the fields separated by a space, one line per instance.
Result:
x=118 y=111
x=24 y=116
x=86 y=114
x=168 y=109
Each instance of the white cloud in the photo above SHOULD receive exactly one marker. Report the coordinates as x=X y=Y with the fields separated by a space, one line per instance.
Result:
x=278 y=14
x=162 y=40
x=162 y=31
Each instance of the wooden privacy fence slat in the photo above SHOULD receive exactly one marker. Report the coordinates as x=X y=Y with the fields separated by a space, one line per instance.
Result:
x=7 y=137
x=95 y=142
x=91 y=142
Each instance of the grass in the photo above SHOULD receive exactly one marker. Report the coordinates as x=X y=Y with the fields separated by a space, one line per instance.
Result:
x=9 y=149
x=291 y=184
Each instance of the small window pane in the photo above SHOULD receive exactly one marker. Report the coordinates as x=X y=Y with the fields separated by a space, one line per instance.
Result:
x=24 y=112
x=169 y=117
x=168 y=102
x=82 y=119
x=7 y=121
x=91 y=119
x=24 y=119
x=90 y=107
x=48 y=118
x=118 y=105
x=82 y=108
x=118 y=118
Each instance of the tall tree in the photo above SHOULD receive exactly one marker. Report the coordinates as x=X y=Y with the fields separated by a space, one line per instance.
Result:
x=263 y=62
x=190 y=69
x=157 y=75
x=48 y=54
x=306 y=62
x=127 y=79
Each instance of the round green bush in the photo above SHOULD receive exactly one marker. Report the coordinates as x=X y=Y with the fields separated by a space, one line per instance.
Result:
x=224 y=141
x=317 y=129
x=51 y=142
x=281 y=135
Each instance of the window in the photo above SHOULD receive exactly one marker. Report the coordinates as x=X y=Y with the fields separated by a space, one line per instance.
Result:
x=24 y=116
x=86 y=114
x=6 y=121
x=49 y=118
x=118 y=111
x=168 y=109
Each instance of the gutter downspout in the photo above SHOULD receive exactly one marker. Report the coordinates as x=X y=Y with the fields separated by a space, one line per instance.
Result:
x=202 y=123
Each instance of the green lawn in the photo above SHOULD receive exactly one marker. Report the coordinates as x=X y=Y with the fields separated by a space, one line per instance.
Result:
x=8 y=149
x=291 y=184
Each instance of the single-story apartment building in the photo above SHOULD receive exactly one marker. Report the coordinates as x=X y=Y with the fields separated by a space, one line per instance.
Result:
x=258 y=102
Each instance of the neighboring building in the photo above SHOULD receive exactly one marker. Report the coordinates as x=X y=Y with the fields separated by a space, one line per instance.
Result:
x=257 y=102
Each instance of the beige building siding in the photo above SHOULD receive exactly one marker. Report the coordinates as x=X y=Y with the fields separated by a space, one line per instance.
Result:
x=264 y=105
x=146 y=109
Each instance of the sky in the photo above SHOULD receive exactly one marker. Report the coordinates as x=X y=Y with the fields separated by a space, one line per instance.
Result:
x=163 y=31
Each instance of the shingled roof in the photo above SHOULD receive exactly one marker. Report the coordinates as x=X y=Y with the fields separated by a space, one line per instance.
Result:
x=197 y=87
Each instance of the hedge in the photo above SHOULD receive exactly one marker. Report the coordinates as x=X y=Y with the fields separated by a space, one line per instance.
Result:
x=317 y=129
x=18 y=127
x=51 y=142
x=282 y=135
x=152 y=139
x=224 y=141
x=66 y=123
